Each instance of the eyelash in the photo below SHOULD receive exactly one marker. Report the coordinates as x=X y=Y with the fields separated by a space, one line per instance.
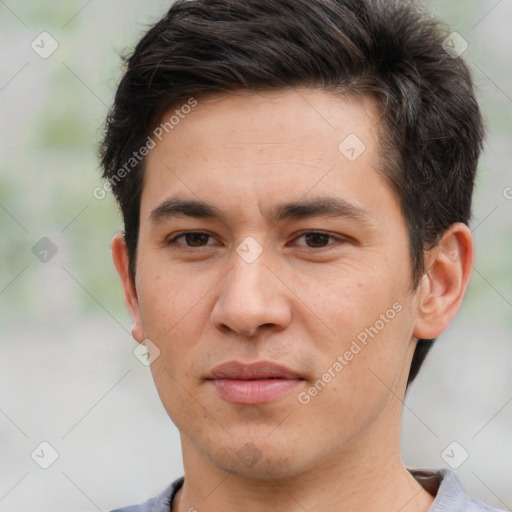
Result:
x=188 y=247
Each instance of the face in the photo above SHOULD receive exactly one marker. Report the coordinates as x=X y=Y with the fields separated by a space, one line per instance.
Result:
x=268 y=236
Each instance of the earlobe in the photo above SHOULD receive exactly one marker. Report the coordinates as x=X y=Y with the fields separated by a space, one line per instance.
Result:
x=444 y=284
x=121 y=261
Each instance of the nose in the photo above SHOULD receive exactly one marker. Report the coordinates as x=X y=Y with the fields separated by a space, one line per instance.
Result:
x=251 y=299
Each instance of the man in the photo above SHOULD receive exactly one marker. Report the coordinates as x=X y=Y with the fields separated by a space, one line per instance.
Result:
x=295 y=179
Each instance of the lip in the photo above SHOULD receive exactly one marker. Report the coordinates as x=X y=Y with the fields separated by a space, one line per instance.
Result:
x=259 y=370
x=255 y=383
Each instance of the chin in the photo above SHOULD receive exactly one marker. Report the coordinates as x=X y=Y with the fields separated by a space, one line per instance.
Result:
x=261 y=458
x=267 y=468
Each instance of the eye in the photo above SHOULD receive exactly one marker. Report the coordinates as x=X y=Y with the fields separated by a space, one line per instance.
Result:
x=317 y=239
x=192 y=239
x=313 y=239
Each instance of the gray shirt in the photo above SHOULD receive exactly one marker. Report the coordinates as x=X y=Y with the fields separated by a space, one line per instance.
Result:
x=443 y=483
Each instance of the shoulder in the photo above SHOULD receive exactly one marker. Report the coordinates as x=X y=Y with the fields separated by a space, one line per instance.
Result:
x=449 y=494
x=160 y=503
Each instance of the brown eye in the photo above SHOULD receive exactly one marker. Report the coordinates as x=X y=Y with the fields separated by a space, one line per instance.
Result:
x=196 y=239
x=317 y=239
x=192 y=239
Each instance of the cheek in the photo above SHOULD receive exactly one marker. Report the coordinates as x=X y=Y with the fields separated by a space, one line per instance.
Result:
x=174 y=310
x=347 y=297
x=382 y=348
x=366 y=383
x=166 y=296
x=169 y=321
x=370 y=327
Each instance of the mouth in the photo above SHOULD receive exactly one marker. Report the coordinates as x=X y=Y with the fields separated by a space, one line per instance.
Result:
x=255 y=383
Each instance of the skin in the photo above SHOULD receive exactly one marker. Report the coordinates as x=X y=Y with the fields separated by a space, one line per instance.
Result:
x=301 y=303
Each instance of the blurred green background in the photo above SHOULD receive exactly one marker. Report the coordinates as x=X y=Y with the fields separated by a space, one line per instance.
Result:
x=67 y=372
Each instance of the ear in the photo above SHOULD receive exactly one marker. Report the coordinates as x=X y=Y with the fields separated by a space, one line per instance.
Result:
x=121 y=262
x=448 y=269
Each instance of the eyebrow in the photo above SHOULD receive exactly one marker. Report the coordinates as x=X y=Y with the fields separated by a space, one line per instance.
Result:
x=321 y=206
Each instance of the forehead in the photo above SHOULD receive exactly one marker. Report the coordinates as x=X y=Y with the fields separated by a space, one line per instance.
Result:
x=263 y=145
x=273 y=117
